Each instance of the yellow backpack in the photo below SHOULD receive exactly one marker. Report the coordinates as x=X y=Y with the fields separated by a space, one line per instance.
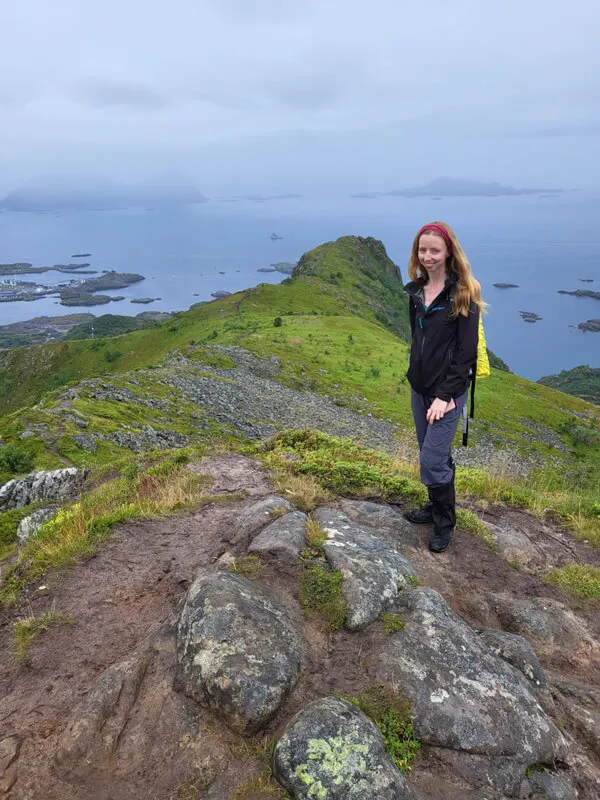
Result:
x=483 y=362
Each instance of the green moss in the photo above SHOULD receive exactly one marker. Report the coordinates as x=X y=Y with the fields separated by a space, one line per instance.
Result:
x=581 y=581
x=392 y=714
x=249 y=566
x=392 y=623
x=321 y=594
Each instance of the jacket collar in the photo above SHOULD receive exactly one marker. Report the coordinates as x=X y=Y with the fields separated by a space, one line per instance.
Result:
x=415 y=288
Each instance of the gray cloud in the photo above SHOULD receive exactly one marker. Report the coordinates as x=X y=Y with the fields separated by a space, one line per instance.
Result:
x=104 y=94
x=396 y=90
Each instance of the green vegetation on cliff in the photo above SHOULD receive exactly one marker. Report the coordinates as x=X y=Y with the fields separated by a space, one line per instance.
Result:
x=580 y=381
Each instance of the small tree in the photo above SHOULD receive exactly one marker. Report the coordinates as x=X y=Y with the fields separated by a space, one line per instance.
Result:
x=278 y=322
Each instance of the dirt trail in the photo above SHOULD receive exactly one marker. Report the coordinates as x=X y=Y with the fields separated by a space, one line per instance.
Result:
x=128 y=596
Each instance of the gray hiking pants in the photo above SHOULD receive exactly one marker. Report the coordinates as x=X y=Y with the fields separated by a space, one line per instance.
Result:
x=435 y=441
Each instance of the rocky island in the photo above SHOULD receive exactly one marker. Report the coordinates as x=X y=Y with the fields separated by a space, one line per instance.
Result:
x=457 y=187
x=590 y=326
x=581 y=293
x=530 y=316
x=84 y=293
x=24 y=268
x=506 y=285
x=145 y=300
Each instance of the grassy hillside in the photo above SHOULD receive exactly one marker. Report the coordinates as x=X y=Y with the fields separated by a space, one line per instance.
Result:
x=337 y=327
x=580 y=381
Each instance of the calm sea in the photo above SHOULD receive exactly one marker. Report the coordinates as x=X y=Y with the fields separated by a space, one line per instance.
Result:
x=541 y=244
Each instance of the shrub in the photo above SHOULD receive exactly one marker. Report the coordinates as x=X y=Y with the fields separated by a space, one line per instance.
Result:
x=278 y=322
x=15 y=458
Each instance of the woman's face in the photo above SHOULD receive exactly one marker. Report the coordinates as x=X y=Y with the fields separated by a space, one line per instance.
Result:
x=433 y=253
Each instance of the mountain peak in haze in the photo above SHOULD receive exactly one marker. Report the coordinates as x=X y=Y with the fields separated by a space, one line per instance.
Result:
x=55 y=194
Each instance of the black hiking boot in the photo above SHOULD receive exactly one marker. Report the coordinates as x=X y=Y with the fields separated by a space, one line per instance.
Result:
x=444 y=516
x=420 y=516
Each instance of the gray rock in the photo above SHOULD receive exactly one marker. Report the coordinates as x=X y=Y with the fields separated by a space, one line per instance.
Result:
x=385 y=522
x=256 y=517
x=86 y=441
x=282 y=539
x=93 y=731
x=373 y=571
x=518 y=652
x=32 y=524
x=238 y=651
x=465 y=699
x=41 y=486
x=548 y=786
x=514 y=545
x=331 y=750
x=149 y=438
x=580 y=707
x=27 y=435
x=553 y=629
x=9 y=753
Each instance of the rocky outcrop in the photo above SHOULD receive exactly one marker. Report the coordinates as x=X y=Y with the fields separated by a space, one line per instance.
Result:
x=256 y=517
x=516 y=546
x=548 y=786
x=332 y=751
x=475 y=706
x=283 y=539
x=93 y=732
x=518 y=652
x=550 y=626
x=41 y=486
x=239 y=653
x=149 y=438
x=9 y=752
x=374 y=571
x=32 y=524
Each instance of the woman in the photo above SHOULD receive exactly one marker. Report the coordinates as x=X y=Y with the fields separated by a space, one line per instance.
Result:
x=445 y=303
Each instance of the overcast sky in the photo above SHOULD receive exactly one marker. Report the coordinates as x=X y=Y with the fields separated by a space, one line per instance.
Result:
x=284 y=95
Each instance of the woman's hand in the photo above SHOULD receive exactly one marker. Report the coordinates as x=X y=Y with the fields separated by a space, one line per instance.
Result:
x=438 y=408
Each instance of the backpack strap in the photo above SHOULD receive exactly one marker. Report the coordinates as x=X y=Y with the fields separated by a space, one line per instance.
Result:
x=465 y=413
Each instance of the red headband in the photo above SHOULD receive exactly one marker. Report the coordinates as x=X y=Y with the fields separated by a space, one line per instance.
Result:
x=433 y=227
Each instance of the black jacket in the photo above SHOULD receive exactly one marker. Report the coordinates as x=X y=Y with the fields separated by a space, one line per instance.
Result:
x=444 y=348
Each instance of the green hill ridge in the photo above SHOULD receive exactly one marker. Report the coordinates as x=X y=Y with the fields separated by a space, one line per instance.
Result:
x=336 y=329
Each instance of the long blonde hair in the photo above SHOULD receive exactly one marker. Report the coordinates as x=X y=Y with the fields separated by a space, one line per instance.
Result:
x=468 y=289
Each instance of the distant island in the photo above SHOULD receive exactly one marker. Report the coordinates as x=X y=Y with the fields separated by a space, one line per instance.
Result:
x=456 y=187
x=590 y=326
x=530 y=316
x=285 y=267
x=506 y=285
x=220 y=294
x=44 y=196
x=84 y=293
x=81 y=255
x=24 y=268
x=258 y=198
x=581 y=293
x=145 y=300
